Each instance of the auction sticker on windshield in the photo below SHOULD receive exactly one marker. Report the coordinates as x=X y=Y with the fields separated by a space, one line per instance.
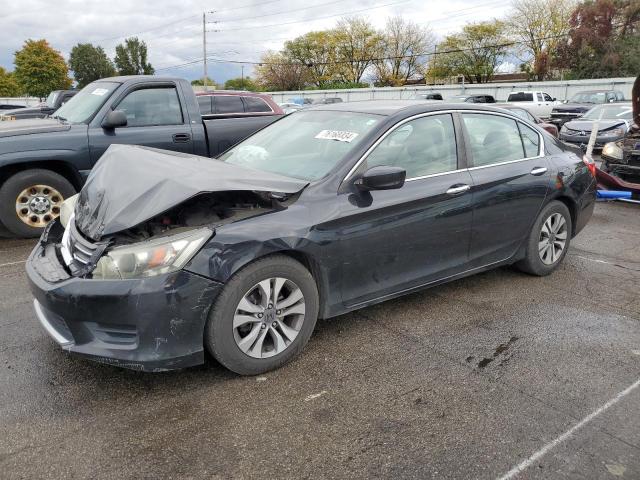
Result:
x=100 y=91
x=339 y=135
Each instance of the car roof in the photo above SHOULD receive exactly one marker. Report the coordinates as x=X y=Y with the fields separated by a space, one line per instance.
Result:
x=244 y=93
x=392 y=107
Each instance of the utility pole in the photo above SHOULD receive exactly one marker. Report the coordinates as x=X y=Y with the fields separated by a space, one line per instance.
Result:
x=204 y=48
x=242 y=78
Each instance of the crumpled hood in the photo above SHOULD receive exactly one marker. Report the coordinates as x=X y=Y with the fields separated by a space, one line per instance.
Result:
x=574 y=107
x=587 y=125
x=132 y=184
x=30 y=126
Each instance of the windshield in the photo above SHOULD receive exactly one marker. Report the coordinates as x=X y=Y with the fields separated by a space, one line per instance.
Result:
x=51 y=99
x=306 y=145
x=83 y=106
x=610 y=112
x=589 y=97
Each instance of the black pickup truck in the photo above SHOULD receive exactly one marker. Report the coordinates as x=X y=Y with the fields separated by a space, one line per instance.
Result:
x=54 y=101
x=44 y=161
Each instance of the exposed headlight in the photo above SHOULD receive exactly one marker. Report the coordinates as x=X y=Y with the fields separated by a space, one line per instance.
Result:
x=612 y=150
x=616 y=132
x=156 y=256
x=66 y=209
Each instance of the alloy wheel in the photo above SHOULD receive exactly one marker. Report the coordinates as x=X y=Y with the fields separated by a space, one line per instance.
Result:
x=269 y=317
x=37 y=205
x=553 y=238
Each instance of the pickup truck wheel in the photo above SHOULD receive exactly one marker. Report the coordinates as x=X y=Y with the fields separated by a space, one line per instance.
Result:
x=263 y=317
x=30 y=199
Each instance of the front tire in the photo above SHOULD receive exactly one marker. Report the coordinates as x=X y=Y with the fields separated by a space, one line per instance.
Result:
x=263 y=317
x=548 y=241
x=32 y=198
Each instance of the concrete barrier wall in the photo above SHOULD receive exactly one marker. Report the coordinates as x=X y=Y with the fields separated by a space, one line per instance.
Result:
x=26 y=101
x=562 y=90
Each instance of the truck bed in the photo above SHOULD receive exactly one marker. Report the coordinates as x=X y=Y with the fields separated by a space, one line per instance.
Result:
x=223 y=133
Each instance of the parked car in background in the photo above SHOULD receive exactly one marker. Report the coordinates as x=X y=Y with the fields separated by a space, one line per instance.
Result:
x=44 y=161
x=477 y=98
x=288 y=107
x=614 y=121
x=525 y=114
x=581 y=103
x=427 y=96
x=54 y=101
x=10 y=106
x=240 y=255
x=328 y=100
x=538 y=103
x=216 y=103
x=302 y=101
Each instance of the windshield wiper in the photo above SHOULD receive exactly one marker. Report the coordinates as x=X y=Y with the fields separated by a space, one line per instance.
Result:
x=59 y=118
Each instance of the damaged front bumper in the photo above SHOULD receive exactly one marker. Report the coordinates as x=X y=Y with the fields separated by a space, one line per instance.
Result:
x=148 y=324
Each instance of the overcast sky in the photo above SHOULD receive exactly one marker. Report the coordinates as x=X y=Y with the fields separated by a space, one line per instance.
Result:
x=244 y=29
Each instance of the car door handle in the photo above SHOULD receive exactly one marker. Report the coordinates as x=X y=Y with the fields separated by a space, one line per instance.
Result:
x=539 y=171
x=181 y=137
x=458 y=189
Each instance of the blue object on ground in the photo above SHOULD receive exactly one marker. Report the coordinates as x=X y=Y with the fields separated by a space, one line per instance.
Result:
x=613 y=194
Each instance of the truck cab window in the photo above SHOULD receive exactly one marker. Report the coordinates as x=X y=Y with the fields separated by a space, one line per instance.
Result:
x=152 y=106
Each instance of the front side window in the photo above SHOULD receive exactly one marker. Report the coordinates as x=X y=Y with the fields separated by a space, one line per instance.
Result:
x=255 y=104
x=152 y=106
x=425 y=146
x=307 y=145
x=228 y=104
x=547 y=97
x=493 y=139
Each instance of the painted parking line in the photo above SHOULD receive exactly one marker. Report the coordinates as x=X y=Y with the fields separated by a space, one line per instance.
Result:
x=12 y=263
x=515 y=471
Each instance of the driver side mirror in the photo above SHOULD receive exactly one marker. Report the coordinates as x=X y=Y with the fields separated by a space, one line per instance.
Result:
x=382 y=178
x=114 y=119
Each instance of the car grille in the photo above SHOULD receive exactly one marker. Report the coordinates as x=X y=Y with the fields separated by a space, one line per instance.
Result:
x=81 y=253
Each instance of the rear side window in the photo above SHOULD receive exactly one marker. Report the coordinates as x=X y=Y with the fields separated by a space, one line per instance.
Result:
x=425 y=146
x=228 y=104
x=530 y=140
x=256 y=104
x=152 y=106
x=619 y=96
x=205 y=104
x=493 y=139
x=520 y=97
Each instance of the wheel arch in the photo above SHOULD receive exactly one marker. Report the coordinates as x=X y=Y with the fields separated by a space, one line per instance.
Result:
x=572 y=206
x=60 y=167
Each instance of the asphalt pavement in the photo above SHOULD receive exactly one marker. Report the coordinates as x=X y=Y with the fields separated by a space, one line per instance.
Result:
x=497 y=375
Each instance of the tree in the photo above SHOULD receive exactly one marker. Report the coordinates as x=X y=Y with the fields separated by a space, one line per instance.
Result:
x=278 y=72
x=200 y=82
x=89 y=63
x=404 y=44
x=240 y=83
x=357 y=45
x=8 y=85
x=539 y=26
x=316 y=50
x=40 y=69
x=131 y=58
x=604 y=40
x=475 y=53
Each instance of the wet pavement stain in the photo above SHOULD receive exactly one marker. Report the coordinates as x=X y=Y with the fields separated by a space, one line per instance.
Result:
x=500 y=349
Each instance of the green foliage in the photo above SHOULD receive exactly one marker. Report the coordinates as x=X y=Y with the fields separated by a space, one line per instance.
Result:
x=131 y=58
x=200 y=82
x=316 y=50
x=475 y=53
x=241 y=84
x=40 y=69
x=89 y=63
x=339 y=85
x=8 y=85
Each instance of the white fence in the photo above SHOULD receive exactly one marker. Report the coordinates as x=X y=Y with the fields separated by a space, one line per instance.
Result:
x=26 y=101
x=562 y=90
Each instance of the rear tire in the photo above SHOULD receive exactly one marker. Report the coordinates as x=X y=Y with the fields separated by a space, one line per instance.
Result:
x=32 y=198
x=250 y=332
x=548 y=241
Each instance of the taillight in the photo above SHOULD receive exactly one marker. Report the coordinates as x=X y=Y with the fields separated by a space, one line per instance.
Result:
x=590 y=165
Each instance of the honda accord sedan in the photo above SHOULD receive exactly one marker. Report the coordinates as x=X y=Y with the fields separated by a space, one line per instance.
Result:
x=163 y=257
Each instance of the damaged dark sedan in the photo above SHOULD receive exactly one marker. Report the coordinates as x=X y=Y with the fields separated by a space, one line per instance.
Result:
x=165 y=256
